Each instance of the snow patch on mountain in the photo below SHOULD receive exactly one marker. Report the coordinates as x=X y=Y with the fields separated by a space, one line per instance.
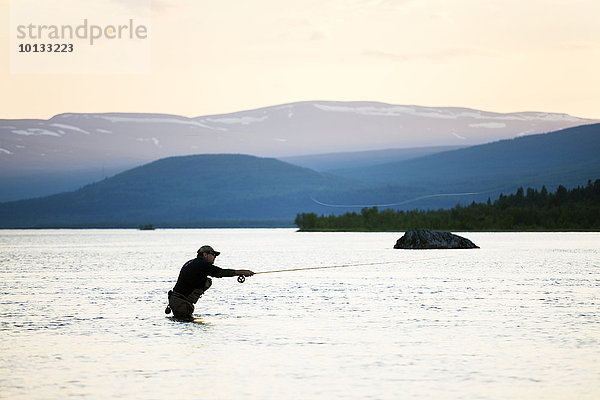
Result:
x=35 y=132
x=152 y=139
x=553 y=117
x=491 y=125
x=526 y=116
x=238 y=120
x=154 y=120
x=443 y=113
x=388 y=111
x=70 y=127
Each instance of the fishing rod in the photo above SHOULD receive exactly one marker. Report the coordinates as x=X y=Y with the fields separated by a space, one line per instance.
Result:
x=242 y=278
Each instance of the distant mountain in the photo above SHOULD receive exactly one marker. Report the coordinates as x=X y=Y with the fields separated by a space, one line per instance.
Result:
x=181 y=191
x=92 y=145
x=228 y=189
x=568 y=157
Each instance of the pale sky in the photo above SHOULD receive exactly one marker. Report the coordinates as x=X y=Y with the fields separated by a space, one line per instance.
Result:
x=220 y=56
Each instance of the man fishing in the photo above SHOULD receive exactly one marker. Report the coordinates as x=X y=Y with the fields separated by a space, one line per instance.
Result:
x=194 y=280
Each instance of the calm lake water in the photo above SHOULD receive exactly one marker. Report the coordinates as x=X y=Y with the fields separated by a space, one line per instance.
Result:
x=82 y=316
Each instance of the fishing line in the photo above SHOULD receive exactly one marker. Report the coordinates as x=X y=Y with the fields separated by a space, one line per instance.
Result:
x=494 y=190
x=242 y=278
x=394 y=204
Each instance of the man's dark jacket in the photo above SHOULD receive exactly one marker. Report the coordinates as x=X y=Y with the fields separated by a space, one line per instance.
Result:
x=194 y=275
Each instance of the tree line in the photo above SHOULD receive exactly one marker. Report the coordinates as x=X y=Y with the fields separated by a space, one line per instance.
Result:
x=527 y=209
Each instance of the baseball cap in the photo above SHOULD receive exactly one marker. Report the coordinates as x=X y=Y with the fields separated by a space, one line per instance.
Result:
x=208 y=249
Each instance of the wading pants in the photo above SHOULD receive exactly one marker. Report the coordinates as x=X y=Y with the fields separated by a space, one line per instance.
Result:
x=182 y=308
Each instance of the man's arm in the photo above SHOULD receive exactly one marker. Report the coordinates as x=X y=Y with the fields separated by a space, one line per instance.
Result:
x=244 y=272
x=222 y=272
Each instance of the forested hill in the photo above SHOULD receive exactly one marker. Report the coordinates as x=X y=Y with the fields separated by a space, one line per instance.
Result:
x=181 y=191
x=576 y=209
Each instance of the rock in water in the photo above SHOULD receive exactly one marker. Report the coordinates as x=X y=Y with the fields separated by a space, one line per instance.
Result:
x=425 y=239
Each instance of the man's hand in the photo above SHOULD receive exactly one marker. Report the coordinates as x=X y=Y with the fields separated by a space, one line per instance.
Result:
x=242 y=273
